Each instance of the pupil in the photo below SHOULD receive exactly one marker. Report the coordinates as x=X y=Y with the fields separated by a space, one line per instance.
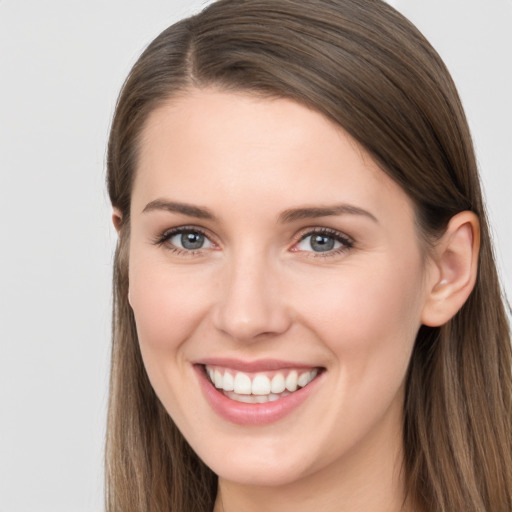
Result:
x=192 y=240
x=321 y=243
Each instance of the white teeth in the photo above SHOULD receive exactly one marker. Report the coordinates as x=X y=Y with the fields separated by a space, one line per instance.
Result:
x=242 y=384
x=259 y=388
x=261 y=385
x=229 y=382
x=303 y=379
x=278 y=384
x=218 y=380
x=255 y=399
x=246 y=399
x=291 y=381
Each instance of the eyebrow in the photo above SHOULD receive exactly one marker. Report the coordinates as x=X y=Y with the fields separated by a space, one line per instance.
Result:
x=183 y=208
x=295 y=214
x=287 y=216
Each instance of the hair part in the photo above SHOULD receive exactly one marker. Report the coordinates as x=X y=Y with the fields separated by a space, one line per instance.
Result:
x=364 y=66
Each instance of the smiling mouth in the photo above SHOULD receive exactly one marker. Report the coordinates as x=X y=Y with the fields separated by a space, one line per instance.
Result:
x=260 y=387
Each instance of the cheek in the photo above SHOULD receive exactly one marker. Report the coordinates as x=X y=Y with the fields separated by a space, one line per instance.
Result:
x=166 y=304
x=367 y=314
x=368 y=320
x=387 y=295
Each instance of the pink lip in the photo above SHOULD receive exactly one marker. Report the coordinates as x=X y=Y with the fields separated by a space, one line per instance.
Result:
x=252 y=414
x=261 y=365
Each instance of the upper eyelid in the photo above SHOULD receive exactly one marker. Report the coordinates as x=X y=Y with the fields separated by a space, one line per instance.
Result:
x=305 y=232
x=182 y=229
x=164 y=236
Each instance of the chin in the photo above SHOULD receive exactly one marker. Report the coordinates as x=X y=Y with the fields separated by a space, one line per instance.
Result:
x=257 y=472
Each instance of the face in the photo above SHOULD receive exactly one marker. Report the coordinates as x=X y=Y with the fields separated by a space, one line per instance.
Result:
x=277 y=284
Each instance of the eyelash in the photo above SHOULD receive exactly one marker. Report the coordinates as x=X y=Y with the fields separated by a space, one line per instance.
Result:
x=164 y=238
x=346 y=242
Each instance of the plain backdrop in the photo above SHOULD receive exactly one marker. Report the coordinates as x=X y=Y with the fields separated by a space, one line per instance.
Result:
x=62 y=63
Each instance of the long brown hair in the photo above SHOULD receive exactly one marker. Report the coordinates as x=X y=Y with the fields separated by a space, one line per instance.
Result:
x=363 y=65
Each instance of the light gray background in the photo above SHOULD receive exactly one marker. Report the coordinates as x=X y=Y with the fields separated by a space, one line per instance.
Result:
x=62 y=63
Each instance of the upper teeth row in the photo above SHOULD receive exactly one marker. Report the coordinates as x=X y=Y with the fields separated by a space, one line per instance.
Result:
x=259 y=384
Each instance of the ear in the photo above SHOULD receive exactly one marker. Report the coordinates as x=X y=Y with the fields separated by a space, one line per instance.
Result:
x=117 y=219
x=455 y=264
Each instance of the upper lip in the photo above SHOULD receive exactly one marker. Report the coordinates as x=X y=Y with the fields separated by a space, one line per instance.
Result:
x=259 y=365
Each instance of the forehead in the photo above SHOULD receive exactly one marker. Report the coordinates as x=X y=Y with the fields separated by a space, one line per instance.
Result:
x=208 y=145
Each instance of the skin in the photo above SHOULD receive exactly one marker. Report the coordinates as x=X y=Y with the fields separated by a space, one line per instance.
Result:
x=257 y=290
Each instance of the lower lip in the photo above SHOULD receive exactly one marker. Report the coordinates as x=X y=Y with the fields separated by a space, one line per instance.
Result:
x=253 y=414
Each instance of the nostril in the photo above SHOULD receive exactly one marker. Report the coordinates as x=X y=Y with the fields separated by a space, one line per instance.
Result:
x=258 y=327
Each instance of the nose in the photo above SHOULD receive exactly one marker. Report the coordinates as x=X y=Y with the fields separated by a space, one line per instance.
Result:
x=251 y=304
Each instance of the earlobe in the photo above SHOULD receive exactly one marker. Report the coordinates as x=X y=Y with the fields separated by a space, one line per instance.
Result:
x=455 y=259
x=117 y=218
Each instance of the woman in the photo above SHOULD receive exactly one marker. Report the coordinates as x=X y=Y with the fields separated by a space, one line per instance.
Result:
x=307 y=312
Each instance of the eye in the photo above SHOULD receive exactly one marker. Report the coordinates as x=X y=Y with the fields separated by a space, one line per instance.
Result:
x=190 y=240
x=324 y=241
x=185 y=239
